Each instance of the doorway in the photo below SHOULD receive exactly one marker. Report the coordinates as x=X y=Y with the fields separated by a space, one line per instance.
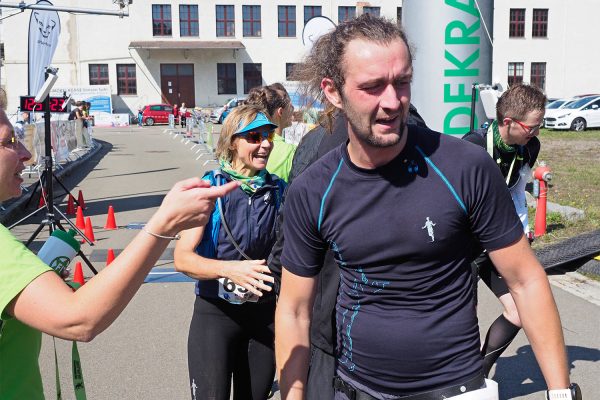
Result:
x=177 y=84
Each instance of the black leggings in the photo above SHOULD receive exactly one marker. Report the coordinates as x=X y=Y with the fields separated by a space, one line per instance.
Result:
x=227 y=339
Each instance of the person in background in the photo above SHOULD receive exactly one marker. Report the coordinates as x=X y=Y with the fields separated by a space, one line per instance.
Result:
x=20 y=124
x=274 y=99
x=175 y=113
x=140 y=117
x=183 y=114
x=34 y=299
x=231 y=331
x=511 y=140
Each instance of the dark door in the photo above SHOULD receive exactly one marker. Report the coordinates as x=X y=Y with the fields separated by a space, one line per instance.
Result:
x=177 y=84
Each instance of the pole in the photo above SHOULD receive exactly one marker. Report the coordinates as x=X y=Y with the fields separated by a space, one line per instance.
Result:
x=48 y=161
x=23 y=7
x=472 y=116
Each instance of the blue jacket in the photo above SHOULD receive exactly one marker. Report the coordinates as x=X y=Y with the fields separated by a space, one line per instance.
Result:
x=251 y=219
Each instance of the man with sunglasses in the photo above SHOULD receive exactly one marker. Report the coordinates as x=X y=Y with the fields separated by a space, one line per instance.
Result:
x=511 y=141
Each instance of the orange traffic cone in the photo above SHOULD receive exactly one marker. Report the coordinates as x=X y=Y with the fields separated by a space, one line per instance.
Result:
x=80 y=200
x=110 y=219
x=110 y=257
x=89 y=230
x=71 y=205
x=78 y=274
x=79 y=222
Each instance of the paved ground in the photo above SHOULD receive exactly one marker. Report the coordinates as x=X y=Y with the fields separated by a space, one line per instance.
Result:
x=143 y=354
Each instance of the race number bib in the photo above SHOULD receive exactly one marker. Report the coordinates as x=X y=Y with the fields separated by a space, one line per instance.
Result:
x=233 y=293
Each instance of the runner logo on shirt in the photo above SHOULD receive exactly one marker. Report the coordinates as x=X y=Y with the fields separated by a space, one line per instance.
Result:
x=429 y=224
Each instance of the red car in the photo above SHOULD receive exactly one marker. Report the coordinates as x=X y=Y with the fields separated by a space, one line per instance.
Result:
x=156 y=114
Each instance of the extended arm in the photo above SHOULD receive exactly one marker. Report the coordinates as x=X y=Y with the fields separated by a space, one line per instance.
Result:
x=250 y=274
x=50 y=306
x=531 y=291
x=292 y=340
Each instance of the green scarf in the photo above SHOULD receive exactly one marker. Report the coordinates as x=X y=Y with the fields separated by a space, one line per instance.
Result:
x=249 y=183
x=498 y=142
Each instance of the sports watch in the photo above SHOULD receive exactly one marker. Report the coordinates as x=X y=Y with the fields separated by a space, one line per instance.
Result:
x=572 y=393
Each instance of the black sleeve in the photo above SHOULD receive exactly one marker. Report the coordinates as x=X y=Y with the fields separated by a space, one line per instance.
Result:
x=476 y=138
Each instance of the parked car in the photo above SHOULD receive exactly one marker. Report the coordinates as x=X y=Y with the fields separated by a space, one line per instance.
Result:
x=216 y=116
x=156 y=114
x=555 y=107
x=577 y=115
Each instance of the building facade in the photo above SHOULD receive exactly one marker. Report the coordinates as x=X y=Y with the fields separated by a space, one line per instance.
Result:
x=205 y=52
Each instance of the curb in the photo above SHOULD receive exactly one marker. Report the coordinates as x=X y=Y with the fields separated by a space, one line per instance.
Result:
x=15 y=207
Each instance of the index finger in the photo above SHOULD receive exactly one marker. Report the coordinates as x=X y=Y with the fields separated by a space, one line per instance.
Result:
x=214 y=192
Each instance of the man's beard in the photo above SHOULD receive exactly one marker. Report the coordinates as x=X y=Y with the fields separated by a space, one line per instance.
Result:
x=363 y=131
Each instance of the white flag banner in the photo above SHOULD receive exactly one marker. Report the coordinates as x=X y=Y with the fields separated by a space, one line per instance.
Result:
x=44 y=30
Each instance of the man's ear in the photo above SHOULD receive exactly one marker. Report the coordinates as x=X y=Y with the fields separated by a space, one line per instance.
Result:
x=331 y=92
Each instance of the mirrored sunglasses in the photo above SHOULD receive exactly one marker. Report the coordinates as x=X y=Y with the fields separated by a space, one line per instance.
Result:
x=255 y=137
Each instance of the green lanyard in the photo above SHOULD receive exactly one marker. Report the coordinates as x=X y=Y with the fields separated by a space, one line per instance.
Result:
x=78 y=384
x=490 y=149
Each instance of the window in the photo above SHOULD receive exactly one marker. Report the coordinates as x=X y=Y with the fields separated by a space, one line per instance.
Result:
x=161 y=20
x=126 y=79
x=311 y=11
x=539 y=28
x=252 y=76
x=226 y=83
x=374 y=11
x=188 y=20
x=538 y=74
x=286 y=19
x=251 y=21
x=399 y=15
x=346 y=13
x=98 y=74
x=517 y=22
x=2 y=54
x=225 y=21
x=515 y=73
x=289 y=70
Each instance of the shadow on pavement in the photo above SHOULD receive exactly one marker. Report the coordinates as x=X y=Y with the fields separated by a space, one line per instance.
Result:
x=519 y=375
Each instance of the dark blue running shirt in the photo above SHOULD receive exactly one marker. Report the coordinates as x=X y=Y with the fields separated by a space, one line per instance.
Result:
x=403 y=236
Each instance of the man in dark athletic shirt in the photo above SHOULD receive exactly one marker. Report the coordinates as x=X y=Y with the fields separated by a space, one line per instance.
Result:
x=399 y=213
x=314 y=145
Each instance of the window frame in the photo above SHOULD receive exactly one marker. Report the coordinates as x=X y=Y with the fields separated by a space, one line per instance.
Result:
x=250 y=22
x=289 y=24
x=539 y=23
x=162 y=20
x=126 y=90
x=189 y=22
x=98 y=79
x=513 y=69
x=230 y=83
x=312 y=12
x=516 y=25
x=225 y=23
x=253 y=78
x=347 y=11
x=538 y=75
x=370 y=9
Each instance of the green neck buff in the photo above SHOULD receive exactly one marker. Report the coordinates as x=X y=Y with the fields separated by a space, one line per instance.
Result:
x=249 y=183
x=498 y=142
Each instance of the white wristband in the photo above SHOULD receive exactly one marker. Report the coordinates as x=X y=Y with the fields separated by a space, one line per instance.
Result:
x=558 y=394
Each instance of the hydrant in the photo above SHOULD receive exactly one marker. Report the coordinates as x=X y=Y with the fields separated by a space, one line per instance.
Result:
x=541 y=176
